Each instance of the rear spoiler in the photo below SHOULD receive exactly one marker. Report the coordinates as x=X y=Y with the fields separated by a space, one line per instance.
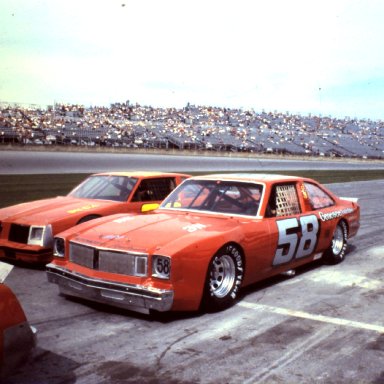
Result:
x=353 y=199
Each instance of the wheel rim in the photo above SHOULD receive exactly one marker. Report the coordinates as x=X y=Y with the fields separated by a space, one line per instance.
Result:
x=338 y=240
x=222 y=276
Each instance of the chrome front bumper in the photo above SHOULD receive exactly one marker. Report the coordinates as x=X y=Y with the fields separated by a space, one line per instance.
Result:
x=128 y=296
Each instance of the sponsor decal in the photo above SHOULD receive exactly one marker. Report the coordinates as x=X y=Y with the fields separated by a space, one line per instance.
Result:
x=83 y=208
x=194 y=227
x=334 y=214
x=112 y=237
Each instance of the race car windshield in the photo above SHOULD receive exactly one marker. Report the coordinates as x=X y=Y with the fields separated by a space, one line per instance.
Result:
x=106 y=187
x=235 y=198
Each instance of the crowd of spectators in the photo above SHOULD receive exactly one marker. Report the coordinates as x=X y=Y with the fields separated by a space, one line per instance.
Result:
x=191 y=128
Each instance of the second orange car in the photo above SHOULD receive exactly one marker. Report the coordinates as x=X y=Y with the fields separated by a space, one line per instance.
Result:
x=27 y=230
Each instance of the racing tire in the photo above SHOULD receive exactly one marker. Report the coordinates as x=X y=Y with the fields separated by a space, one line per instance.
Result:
x=336 y=252
x=88 y=218
x=224 y=278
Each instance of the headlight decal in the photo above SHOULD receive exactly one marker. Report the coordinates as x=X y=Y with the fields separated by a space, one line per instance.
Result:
x=59 y=247
x=40 y=235
x=35 y=235
x=161 y=267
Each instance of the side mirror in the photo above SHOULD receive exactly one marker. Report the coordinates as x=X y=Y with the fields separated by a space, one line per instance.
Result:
x=147 y=207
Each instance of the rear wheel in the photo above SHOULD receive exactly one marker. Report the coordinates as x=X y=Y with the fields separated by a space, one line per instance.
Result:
x=224 y=277
x=336 y=251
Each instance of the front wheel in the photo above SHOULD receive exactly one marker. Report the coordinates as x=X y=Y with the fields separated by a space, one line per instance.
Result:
x=224 y=277
x=336 y=251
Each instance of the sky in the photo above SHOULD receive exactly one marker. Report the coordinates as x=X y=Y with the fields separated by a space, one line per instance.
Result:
x=297 y=56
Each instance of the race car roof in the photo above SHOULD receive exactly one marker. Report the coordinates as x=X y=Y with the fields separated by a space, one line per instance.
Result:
x=140 y=174
x=262 y=177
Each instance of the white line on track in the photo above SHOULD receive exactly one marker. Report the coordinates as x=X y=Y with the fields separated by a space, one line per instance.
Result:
x=289 y=356
x=310 y=316
x=345 y=279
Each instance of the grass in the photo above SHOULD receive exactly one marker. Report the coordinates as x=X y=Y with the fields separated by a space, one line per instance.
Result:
x=16 y=189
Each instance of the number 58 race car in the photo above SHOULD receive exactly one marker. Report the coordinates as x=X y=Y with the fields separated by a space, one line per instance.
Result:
x=211 y=236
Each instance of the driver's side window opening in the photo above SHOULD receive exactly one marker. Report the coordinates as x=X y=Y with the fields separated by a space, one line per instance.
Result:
x=283 y=201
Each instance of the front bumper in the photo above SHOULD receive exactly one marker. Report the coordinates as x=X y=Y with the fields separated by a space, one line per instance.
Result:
x=128 y=296
x=26 y=254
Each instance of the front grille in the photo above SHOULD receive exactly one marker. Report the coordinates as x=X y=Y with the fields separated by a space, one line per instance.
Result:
x=82 y=255
x=124 y=263
x=108 y=261
x=19 y=233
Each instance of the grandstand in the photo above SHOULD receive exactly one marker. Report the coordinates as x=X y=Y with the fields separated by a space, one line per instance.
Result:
x=191 y=128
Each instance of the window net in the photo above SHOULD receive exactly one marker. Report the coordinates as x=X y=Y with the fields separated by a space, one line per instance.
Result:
x=286 y=201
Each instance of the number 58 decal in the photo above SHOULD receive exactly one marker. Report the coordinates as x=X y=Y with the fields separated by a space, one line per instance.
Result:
x=290 y=244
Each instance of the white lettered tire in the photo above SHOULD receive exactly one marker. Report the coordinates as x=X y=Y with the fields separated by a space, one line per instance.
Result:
x=224 y=278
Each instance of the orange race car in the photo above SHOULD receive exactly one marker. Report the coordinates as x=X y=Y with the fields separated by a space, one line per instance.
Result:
x=17 y=337
x=211 y=236
x=27 y=230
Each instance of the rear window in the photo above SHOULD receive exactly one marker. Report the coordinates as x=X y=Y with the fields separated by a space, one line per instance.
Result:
x=317 y=197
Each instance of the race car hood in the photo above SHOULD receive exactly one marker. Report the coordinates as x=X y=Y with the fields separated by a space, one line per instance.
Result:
x=49 y=210
x=145 y=233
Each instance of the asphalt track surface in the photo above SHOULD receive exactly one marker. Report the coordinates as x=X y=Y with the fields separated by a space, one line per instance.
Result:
x=38 y=162
x=325 y=325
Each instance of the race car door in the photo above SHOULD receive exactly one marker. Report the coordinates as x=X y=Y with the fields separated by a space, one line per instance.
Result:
x=293 y=231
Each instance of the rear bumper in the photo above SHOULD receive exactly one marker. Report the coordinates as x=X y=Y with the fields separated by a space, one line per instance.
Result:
x=128 y=296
